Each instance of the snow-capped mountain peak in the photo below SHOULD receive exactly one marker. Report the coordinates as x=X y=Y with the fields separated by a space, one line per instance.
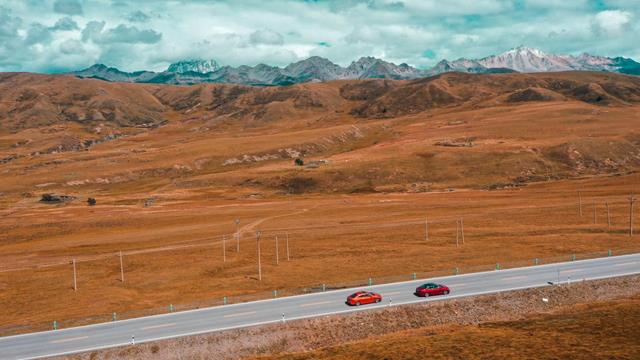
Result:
x=525 y=51
x=524 y=59
x=315 y=68
x=194 y=65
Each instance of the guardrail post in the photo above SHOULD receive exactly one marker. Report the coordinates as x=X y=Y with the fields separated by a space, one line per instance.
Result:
x=609 y=253
x=114 y=317
x=370 y=282
x=224 y=301
x=324 y=287
x=573 y=257
x=497 y=266
x=275 y=293
x=170 y=307
x=414 y=276
x=536 y=261
x=55 y=325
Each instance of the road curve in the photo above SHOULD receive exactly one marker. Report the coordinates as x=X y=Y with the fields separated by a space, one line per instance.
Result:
x=151 y=328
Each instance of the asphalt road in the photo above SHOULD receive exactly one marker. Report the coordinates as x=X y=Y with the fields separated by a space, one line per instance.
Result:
x=219 y=318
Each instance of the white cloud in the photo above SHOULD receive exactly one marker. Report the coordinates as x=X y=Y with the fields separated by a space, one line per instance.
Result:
x=137 y=34
x=611 y=21
x=65 y=24
x=138 y=16
x=267 y=37
x=120 y=34
x=462 y=39
x=71 y=46
x=434 y=8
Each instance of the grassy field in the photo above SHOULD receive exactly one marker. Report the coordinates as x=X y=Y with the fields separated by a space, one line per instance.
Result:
x=173 y=253
x=167 y=193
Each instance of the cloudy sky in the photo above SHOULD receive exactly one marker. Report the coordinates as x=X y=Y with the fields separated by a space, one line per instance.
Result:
x=64 y=35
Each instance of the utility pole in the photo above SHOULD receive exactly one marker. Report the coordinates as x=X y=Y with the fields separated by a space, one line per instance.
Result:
x=457 y=231
x=606 y=204
x=580 y=203
x=594 y=212
x=75 y=282
x=632 y=200
x=277 y=252
x=238 y=235
x=462 y=229
x=258 y=234
x=287 y=237
x=121 y=268
x=426 y=229
x=224 y=248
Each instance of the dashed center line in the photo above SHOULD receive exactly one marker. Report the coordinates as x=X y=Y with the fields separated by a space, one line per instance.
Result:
x=240 y=314
x=316 y=303
x=67 y=340
x=395 y=293
x=625 y=264
x=157 y=326
x=571 y=271
x=515 y=278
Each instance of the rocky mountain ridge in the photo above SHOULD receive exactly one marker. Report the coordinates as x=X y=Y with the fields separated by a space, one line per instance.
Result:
x=315 y=68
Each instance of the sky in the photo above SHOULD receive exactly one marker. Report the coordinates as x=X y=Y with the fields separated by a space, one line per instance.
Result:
x=54 y=36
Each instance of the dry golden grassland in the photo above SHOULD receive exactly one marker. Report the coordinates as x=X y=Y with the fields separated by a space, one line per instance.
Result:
x=176 y=165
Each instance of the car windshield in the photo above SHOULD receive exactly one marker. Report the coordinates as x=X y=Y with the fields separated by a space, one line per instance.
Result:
x=428 y=286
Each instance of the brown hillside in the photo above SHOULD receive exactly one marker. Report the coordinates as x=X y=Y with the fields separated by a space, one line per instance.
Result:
x=32 y=100
x=230 y=136
x=456 y=89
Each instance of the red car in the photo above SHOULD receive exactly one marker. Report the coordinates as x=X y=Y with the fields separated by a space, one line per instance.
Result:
x=363 y=297
x=430 y=289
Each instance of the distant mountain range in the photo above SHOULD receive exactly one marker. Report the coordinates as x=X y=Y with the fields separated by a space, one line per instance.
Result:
x=315 y=68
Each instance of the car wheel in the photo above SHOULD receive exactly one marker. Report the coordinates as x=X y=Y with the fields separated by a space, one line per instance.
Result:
x=446 y=292
x=357 y=303
x=377 y=300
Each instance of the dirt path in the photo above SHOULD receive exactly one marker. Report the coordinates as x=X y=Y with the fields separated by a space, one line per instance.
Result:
x=252 y=225
x=206 y=241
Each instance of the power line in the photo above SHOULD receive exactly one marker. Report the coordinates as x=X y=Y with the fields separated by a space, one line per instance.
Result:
x=632 y=200
x=258 y=234
x=206 y=241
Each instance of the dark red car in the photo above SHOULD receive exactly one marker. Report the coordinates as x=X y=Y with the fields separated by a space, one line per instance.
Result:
x=430 y=289
x=363 y=297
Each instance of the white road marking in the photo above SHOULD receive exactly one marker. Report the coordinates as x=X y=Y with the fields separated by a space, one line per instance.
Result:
x=625 y=264
x=67 y=340
x=571 y=271
x=316 y=303
x=157 y=326
x=240 y=314
x=394 y=293
x=521 y=277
